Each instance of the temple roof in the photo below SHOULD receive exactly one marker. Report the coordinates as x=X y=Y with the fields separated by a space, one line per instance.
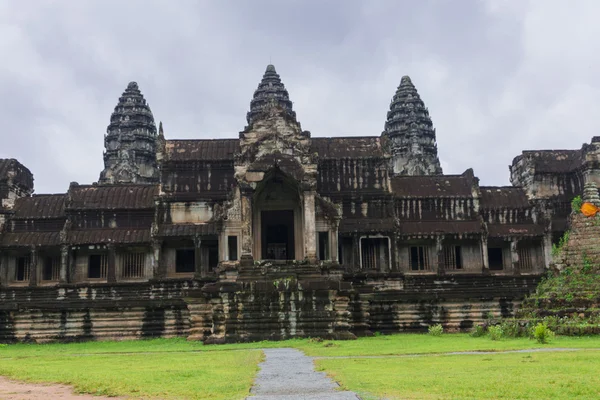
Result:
x=495 y=197
x=553 y=161
x=408 y=114
x=432 y=186
x=112 y=197
x=347 y=147
x=40 y=206
x=20 y=174
x=270 y=90
x=132 y=114
x=201 y=149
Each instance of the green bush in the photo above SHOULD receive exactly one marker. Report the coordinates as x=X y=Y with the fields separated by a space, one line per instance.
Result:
x=576 y=204
x=478 y=331
x=495 y=332
x=512 y=328
x=436 y=330
x=541 y=333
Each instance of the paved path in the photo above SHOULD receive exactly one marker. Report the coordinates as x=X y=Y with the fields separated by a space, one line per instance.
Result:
x=288 y=374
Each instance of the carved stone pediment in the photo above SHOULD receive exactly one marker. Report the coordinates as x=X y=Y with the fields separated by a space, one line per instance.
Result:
x=275 y=140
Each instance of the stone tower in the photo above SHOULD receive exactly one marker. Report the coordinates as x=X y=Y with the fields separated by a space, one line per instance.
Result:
x=270 y=90
x=130 y=142
x=410 y=133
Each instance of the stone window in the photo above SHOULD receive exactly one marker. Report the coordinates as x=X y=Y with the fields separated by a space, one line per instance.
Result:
x=374 y=253
x=525 y=261
x=232 y=247
x=419 y=259
x=133 y=265
x=346 y=251
x=324 y=246
x=185 y=260
x=23 y=268
x=50 y=268
x=97 y=266
x=495 y=258
x=453 y=257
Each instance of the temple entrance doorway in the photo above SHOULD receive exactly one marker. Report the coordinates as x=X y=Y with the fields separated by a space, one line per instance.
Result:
x=278 y=218
x=278 y=234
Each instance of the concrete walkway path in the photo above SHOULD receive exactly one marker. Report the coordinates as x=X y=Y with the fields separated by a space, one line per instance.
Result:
x=288 y=374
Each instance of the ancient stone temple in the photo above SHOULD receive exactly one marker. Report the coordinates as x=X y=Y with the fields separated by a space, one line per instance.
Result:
x=274 y=234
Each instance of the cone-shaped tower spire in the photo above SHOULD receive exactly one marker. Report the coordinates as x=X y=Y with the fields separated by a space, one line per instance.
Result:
x=130 y=142
x=270 y=91
x=411 y=133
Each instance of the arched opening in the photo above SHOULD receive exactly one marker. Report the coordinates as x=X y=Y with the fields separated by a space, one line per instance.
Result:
x=278 y=219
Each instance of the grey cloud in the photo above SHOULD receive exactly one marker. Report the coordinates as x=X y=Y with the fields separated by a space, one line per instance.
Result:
x=497 y=76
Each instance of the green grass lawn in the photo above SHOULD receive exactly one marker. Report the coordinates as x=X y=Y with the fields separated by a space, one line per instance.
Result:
x=560 y=375
x=176 y=368
x=189 y=375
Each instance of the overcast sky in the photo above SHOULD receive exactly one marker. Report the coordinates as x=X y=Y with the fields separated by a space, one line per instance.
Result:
x=498 y=76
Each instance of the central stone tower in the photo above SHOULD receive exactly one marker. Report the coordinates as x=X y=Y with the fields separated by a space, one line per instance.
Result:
x=410 y=134
x=130 y=142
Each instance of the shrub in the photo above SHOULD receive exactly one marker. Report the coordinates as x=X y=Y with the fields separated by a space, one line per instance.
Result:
x=495 y=332
x=576 y=204
x=436 y=330
x=512 y=328
x=541 y=333
x=478 y=331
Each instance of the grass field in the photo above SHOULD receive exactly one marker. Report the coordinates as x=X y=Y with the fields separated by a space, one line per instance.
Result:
x=560 y=375
x=176 y=368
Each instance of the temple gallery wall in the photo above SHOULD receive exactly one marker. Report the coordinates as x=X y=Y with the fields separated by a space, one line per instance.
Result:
x=276 y=234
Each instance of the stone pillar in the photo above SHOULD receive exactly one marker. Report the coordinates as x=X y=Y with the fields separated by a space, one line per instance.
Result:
x=514 y=256
x=356 y=251
x=484 y=254
x=64 y=264
x=310 y=239
x=335 y=257
x=547 y=247
x=111 y=274
x=158 y=270
x=439 y=248
x=247 y=241
x=200 y=267
x=33 y=267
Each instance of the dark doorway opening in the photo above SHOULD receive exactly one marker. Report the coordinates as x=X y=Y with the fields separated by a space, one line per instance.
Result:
x=495 y=259
x=277 y=234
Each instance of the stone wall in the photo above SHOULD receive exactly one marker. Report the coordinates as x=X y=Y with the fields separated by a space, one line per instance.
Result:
x=218 y=312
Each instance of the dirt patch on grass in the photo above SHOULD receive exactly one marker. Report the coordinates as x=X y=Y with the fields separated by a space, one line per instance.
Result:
x=13 y=390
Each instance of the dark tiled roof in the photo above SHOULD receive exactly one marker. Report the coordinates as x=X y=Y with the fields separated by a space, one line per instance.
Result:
x=167 y=230
x=432 y=227
x=367 y=225
x=347 y=147
x=202 y=149
x=112 y=197
x=498 y=230
x=21 y=174
x=493 y=197
x=102 y=236
x=432 y=186
x=40 y=206
x=31 y=239
x=554 y=161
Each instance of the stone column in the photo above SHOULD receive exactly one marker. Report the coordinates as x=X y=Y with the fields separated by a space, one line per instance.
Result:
x=484 y=254
x=335 y=257
x=514 y=256
x=64 y=264
x=158 y=270
x=439 y=248
x=247 y=242
x=111 y=274
x=356 y=251
x=33 y=267
x=547 y=247
x=199 y=266
x=310 y=240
